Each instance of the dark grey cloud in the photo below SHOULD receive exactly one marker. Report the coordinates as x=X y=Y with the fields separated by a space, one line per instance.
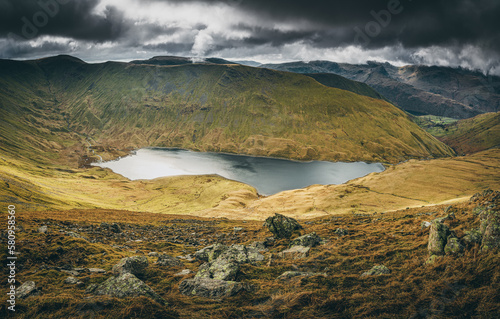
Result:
x=458 y=32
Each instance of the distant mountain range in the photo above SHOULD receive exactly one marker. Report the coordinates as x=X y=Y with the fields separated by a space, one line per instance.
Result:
x=50 y=103
x=442 y=91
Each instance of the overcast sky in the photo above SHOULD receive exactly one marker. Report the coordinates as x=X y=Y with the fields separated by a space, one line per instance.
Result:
x=442 y=32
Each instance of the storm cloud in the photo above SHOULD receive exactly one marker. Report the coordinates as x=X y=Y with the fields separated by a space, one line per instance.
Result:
x=456 y=33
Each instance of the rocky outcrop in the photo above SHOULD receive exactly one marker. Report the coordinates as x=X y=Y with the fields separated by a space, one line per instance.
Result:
x=210 y=288
x=133 y=265
x=123 y=286
x=282 y=226
x=309 y=240
x=377 y=271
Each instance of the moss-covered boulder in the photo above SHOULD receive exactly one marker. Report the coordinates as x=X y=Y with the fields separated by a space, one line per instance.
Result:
x=123 y=286
x=473 y=237
x=133 y=265
x=490 y=229
x=282 y=226
x=438 y=236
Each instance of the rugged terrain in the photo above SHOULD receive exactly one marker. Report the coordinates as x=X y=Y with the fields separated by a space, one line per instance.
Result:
x=440 y=91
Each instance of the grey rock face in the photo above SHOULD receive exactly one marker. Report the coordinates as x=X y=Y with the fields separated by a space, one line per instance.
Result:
x=282 y=226
x=26 y=290
x=133 y=265
x=210 y=288
x=377 y=271
x=125 y=285
x=309 y=240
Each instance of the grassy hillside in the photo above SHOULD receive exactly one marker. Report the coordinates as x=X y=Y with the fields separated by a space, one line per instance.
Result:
x=56 y=104
x=472 y=135
x=339 y=82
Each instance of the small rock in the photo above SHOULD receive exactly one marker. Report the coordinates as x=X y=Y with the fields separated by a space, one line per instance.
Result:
x=296 y=252
x=123 y=286
x=425 y=224
x=133 y=265
x=168 y=261
x=26 y=290
x=292 y=274
x=282 y=226
x=43 y=230
x=97 y=271
x=210 y=288
x=184 y=272
x=309 y=240
x=71 y=272
x=432 y=259
x=377 y=271
x=269 y=241
x=153 y=254
x=71 y=281
x=238 y=229
x=75 y=235
x=341 y=232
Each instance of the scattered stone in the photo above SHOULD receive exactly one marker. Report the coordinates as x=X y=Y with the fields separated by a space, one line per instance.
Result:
x=432 y=259
x=43 y=230
x=282 y=226
x=377 y=271
x=75 y=235
x=71 y=281
x=258 y=245
x=73 y=273
x=184 y=272
x=341 y=232
x=292 y=274
x=309 y=240
x=123 y=286
x=296 y=252
x=453 y=247
x=97 y=271
x=210 y=288
x=26 y=290
x=425 y=224
x=168 y=261
x=438 y=236
x=269 y=241
x=133 y=265
x=238 y=229
x=153 y=254
x=114 y=227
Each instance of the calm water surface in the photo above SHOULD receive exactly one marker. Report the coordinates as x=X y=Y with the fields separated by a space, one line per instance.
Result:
x=268 y=175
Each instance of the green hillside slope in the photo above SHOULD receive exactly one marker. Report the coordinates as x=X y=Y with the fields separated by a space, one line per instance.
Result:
x=54 y=104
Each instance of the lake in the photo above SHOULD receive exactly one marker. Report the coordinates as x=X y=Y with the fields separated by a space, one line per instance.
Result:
x=268 y=175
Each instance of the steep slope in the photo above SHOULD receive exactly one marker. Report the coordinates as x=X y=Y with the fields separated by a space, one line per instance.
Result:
x=441 y=91
x=340 y=82
x=473 y=135
x=226 y=108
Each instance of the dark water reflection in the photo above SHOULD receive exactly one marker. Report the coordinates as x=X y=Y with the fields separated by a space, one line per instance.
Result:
x=267 y=175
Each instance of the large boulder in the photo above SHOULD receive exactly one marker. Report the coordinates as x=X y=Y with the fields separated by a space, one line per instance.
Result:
x=220 y=269
x=26 y=290
x=282 y=226
x=210 y=288
x=133 y=265
x=123 y=286
x=377 y=271
x=438 y=236
x=309 y=240
x=168 y=261
x=210 y=253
